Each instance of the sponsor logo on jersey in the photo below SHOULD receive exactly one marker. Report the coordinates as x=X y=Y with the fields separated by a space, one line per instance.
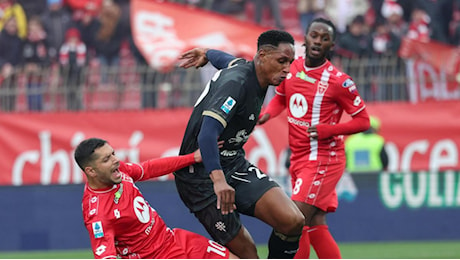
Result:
x=116 y=213
x=294 y=121
x=117 y=195
x=228 y=105
x=298 y=105
x=303 y=76
x=322 y=87
x=126 y=178
x=228 y=153
x=241 y=137
x=98 y=231
x=149 y=228
x=357 y=101
x=352 y=89
x=348 y=83
x=93 y=205
x=100 y=250
x=142 y=209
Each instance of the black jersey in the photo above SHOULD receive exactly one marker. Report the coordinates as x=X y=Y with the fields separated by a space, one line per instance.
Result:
x=233 y=97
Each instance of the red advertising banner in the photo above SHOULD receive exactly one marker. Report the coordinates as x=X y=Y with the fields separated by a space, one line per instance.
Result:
x=37 y=148
x=433 y=70
x=423 y=136
x=162 y=30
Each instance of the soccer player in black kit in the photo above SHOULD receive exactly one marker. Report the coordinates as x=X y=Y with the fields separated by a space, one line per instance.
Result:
x=225 y=184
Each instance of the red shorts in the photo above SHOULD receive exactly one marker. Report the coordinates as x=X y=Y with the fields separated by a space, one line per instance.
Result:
x=314 y=182
x=189 y=245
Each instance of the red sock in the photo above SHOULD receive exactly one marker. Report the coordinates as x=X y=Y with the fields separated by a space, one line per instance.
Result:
x=304 y=245
x=323 y=242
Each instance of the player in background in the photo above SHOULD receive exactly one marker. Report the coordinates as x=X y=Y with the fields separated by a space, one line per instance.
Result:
x=120 y=222
x=315 y=93
x=226 y=184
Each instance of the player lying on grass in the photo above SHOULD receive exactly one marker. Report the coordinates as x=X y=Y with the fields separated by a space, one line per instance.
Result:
x=120 y=222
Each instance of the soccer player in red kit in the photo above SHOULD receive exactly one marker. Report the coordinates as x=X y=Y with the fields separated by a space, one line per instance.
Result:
x=316 y=94
x=120 y=222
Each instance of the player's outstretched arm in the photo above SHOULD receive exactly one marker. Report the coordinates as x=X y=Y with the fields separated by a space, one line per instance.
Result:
x=194 y=58
x=161 y=166
x=198 y=57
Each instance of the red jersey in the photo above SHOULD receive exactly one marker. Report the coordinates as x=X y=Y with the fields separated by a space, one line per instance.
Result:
x=121 y=222
x=317 y=96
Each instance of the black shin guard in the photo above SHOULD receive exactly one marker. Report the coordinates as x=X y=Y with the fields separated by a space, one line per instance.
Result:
x=281 y=246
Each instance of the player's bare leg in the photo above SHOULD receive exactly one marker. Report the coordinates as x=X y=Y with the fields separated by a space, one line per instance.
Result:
x=243 y=245
x=233 y=256
x=277 y=210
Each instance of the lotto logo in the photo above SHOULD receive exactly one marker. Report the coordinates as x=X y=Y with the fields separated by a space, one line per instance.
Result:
x=357 y=101
x=100 y=250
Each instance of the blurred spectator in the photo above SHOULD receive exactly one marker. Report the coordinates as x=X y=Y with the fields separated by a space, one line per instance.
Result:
x=125 y=18
x=10 y=58
x=385 y=64
x=72 y=59
x=148 y=78
x=440 y=15
x=407 y=6
x=33 y=7
x=342 y=12
x=81 y=8
x=365 y=151
x=383 y=41
x=108 y=38
x=36 y=62
x=9 y=8
x=308 y=10
x=455 y=24
x=235 y=8
x=205 y=4
x=419 y=26
x=92 y=5
x=274 y=8
x=88 y=24
x=354 y=42
x=394 y=15
x=57 y=19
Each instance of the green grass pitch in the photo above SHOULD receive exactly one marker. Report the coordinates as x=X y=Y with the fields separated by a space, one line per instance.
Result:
x=382 y=250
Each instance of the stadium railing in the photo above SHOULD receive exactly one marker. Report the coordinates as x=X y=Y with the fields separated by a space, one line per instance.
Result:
x=134 y=86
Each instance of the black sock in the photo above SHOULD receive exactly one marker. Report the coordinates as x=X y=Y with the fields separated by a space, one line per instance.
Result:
x=281 y=246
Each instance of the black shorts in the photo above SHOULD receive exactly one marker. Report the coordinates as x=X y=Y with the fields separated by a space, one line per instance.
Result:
x=222 y=228
x=249 y=183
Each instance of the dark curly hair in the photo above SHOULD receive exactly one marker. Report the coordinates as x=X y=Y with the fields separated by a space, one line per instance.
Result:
x=274 y=37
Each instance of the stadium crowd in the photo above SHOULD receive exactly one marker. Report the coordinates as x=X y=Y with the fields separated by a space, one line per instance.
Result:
x=53 y=45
